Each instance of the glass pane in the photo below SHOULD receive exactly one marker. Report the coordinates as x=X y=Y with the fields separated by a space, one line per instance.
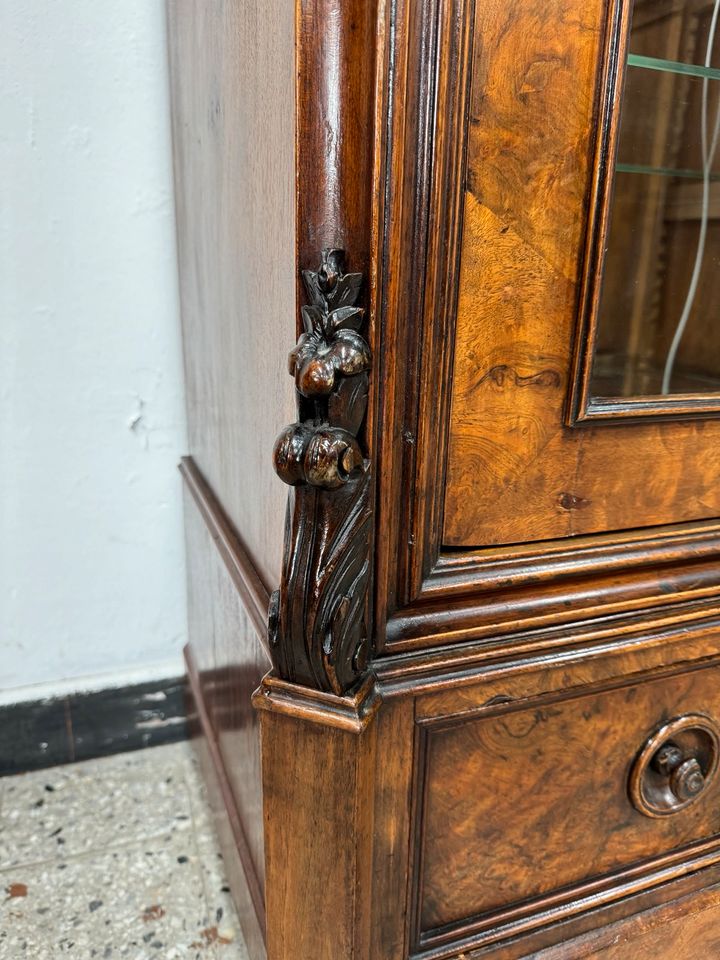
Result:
x=659 y=318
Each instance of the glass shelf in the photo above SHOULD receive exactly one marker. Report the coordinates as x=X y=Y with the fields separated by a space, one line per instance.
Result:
x=663 y=171
x=672 y=66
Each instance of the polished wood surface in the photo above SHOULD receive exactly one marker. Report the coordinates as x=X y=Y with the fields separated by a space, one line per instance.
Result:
x=508 y=797
x=541 y=599
x=234 y=176
x=516 y=472
x=336 y=53
x=686 y=930
x=225 y=664
x=318 y=631
x=318 y=787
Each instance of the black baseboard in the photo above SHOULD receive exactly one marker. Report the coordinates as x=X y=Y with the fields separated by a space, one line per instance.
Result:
x=81 y=726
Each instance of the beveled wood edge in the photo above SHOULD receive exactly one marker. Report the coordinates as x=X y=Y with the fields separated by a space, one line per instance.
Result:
x=428 y=716
x=461 y=571
x=253 y=593
x=677 y=406
x=608 y=96
x=501 y=618
x=352 y=713
x=413 y=570
x=563 y=905
x=588 y=944
x=424 y=79
x=253 y=893
x=425 y=671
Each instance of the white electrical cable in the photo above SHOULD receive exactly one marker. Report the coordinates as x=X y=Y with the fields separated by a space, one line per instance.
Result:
x=708 y=155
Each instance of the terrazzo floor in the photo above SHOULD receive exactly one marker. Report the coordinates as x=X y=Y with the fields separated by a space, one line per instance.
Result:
x=113 y=858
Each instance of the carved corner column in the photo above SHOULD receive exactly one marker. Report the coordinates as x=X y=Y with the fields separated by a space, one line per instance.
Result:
x=319 y=709
x=318 y=633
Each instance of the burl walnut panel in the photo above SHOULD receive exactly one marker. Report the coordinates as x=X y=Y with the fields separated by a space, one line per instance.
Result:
x=516 y=473
x=531 y=801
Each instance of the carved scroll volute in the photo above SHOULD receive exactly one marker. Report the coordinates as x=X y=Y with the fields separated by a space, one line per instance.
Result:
x=317 y=629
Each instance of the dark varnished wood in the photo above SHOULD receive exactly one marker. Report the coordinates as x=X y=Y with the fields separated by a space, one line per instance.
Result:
x=336 y=53
x=318 y=624
x=226 y=661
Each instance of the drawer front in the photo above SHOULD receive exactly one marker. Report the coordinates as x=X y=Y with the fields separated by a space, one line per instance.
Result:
x=686 y=929
x=567 y=797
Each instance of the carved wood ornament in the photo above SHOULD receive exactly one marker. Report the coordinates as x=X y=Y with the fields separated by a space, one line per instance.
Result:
x=317 y=625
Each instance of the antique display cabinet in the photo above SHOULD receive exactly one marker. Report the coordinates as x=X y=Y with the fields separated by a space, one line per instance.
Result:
x=455 y=578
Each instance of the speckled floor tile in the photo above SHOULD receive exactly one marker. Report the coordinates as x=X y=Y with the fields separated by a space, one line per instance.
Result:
x=217 y=890
x=69 y=810
x=119 y=896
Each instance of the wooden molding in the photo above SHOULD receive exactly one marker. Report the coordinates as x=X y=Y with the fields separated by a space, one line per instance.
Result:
x=253 y=592
x=669 y=633
x=351 y=713
x=499 y=926
x=426 y=83
x=426 y=595
x=246 y=884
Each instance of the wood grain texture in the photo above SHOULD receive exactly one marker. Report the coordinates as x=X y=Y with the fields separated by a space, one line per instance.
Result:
x=245 y=884
x=336 y=54
x=424 y=86
x=227 y=662
x=232 y=69
x=318 y=797
x=469 y=800
x=352 y=713
x=507 y=797
x=685 y=930
x=515 y=472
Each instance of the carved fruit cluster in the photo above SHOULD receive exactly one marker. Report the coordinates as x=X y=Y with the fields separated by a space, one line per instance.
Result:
x=330 y=364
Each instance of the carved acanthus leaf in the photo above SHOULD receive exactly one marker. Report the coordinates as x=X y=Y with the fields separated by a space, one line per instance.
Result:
x=317 y=627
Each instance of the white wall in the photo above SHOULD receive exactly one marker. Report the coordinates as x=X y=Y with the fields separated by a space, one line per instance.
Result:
x=91 y=408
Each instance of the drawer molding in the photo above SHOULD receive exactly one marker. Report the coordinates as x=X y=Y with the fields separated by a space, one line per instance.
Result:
x=444 y=830
x=481 y=931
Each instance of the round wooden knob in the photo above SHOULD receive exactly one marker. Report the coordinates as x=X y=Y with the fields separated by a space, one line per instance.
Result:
x=676 y=766
x=688 y=780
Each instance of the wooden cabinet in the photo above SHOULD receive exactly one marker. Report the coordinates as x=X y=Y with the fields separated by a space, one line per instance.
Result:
x=455 y=680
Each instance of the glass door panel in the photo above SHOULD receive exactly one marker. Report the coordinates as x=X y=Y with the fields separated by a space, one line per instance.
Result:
x=658 y=323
